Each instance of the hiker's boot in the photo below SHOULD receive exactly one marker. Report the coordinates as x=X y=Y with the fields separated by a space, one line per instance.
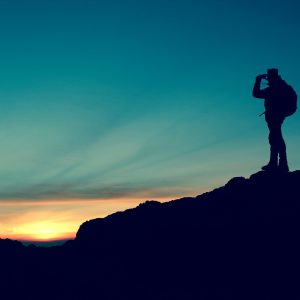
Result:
x=283 y=164
x=284 y=168
x=270 y=167
x=273 y=163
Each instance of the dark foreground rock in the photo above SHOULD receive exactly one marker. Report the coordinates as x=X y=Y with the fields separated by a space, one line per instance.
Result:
x=240 y=241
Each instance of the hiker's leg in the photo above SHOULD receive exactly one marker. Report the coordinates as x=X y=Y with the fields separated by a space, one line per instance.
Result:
x=273 y=141
x=283 y=163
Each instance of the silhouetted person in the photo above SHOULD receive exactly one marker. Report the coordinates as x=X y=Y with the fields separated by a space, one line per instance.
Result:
x=275 y=96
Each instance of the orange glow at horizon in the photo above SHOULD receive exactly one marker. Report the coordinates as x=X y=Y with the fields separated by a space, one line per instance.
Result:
x=53 y=220
x=44 y=231
x=57 y=219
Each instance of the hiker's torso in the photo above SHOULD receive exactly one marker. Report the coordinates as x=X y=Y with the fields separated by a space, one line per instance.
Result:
x=274 y=98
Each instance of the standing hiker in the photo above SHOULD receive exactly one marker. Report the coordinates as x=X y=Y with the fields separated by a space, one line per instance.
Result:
x=280 y=102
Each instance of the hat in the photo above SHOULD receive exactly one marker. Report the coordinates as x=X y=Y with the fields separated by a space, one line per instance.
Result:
x=272 y=73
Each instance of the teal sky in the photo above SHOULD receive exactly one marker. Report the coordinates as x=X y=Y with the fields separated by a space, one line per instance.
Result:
x=145 y=98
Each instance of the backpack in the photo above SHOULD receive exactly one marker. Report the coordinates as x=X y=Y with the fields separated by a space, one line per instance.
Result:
x=289 y=101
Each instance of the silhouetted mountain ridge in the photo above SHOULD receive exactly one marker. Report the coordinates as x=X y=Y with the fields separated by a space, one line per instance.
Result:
x=264 y=197
x=239 y=241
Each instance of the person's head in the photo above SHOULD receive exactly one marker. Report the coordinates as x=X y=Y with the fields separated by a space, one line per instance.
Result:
x=272 y=75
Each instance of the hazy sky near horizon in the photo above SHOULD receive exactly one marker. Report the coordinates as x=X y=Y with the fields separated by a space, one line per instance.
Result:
x=146 y=99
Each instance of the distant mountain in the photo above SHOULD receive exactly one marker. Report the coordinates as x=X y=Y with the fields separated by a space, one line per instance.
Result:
x=240 y=241
x=44 y=243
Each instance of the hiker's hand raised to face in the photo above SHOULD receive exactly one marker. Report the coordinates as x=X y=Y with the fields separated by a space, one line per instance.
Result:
x=262 y=76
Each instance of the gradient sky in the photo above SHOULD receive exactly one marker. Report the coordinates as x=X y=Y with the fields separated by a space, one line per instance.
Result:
x=107 y=103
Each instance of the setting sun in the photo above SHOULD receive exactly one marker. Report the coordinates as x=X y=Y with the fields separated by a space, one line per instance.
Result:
x=45 y=231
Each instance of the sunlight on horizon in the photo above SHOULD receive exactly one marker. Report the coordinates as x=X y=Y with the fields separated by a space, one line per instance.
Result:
x=57 y=220
x=47 y=221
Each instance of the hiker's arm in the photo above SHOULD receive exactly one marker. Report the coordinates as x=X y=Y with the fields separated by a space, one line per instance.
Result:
x=257 y=92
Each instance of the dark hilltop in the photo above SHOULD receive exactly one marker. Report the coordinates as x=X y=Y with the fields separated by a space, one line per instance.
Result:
x=240 y=241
